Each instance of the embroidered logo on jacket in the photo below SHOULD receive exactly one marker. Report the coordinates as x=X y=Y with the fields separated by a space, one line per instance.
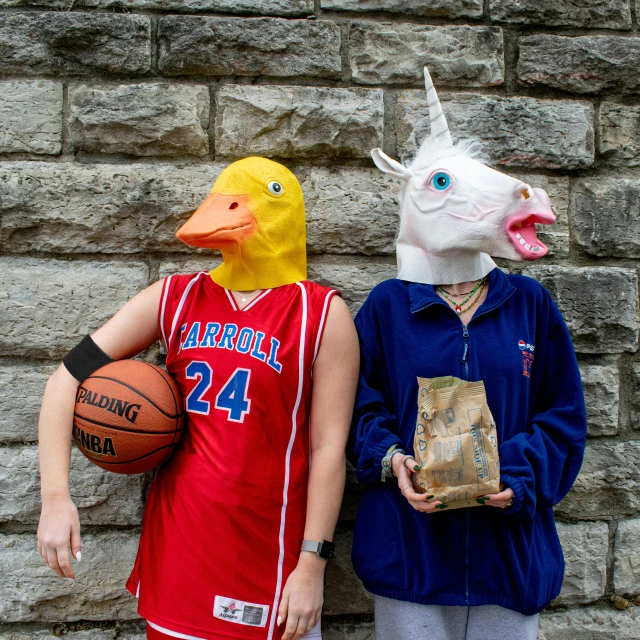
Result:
x=527 y=357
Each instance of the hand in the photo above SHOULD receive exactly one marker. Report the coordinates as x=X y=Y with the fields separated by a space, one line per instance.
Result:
x=302 y=597
x=59 y=527
x=501 y=500
x=407 y=483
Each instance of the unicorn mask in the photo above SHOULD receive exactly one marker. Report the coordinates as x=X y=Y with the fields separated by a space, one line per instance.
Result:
x=455 y=212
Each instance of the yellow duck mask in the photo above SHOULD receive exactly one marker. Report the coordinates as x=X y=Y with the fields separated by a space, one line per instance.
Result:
x=255 y=216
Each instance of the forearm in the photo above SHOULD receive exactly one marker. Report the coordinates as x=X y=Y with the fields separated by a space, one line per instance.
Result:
x=55 y=432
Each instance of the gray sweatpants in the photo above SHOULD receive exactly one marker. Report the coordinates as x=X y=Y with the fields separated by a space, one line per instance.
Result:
x=399 y=620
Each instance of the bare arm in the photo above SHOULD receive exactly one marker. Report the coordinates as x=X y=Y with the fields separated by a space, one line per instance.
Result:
x=129 y=332
x=335 y=377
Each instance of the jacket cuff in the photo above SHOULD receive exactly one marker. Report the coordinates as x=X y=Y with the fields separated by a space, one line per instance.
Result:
x=515 y=485
x=381 y=451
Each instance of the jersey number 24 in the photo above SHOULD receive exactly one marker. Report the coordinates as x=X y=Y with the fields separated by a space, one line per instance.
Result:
x=232 y=398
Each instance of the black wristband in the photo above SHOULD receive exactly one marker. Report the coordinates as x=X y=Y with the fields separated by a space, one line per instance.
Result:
x=85 y=358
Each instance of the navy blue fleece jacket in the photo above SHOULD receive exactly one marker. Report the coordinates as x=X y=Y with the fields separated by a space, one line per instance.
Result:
x=518 y=344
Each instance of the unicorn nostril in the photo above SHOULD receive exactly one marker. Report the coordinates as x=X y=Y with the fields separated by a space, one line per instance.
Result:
x=233 y=205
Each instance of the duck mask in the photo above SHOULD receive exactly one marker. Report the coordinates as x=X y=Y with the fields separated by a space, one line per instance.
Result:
x=455 y=212
x=255 y=216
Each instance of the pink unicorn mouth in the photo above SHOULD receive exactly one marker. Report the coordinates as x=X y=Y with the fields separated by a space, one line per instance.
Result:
x=520 y=229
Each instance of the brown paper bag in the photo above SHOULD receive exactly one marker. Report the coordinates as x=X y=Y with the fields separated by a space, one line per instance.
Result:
x=455 y=442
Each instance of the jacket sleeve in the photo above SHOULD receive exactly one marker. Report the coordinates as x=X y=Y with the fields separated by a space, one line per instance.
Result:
x=541 y=464
x=374 y=427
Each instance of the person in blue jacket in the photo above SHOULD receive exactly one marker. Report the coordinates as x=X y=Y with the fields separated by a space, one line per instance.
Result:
x=469 y=573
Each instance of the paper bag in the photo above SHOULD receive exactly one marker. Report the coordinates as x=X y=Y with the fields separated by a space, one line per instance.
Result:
x=455 y=443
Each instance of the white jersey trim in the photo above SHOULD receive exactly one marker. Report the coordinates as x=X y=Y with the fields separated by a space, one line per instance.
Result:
x=232 y=300
x=167 y=284
x=173 y=634
x=256 y=299
x=182 y=301
x=294 y=428
x=323 y=320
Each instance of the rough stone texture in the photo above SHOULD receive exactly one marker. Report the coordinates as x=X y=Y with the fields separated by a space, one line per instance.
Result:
x=600 y=385
x=30 y=116
x=619 y=127
x=66 y=207
x=605 y=216
x=608 y=484
x=626 y=567
x=24 y=633
x=248 y=47
x=30 y=591
x=585 y=64
x=140 y=119
x=249 y=7
x=298 y=122
x=47 y=306
x=346 y=595
x=392 y=53
x=517 y=131
x=597 y=14
x=102 y=497
x=584 y=546
x=74 y=43
x=22 y=388
x=337 y=630
x=431 y=9
x=635 y=397
x=590 y=623
x=599 y=305
x=350 y=210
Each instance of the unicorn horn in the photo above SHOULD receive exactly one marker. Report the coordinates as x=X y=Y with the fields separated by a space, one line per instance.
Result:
x=439 y=126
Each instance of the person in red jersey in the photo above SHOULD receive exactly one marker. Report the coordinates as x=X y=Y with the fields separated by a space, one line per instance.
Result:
x=238 y=524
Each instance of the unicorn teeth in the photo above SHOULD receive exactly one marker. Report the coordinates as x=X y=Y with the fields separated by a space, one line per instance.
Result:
x=518 y=236
x=527 y=246
x=522 y=241
x=536 y=248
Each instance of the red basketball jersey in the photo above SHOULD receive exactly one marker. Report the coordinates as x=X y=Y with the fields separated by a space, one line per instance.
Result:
x=225 y=517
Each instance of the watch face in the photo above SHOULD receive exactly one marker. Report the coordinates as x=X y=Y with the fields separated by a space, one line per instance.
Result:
x=326 y=550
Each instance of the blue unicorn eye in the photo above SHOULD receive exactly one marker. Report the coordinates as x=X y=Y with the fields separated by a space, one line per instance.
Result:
x=441 y=181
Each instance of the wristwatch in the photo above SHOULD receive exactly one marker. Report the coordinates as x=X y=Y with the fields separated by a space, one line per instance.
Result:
x=324 y=548
x=387 y=471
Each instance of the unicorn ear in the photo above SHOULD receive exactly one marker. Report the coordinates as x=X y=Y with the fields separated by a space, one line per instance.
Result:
x=390 y=166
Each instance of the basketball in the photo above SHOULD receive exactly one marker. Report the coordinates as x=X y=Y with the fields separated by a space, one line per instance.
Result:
x=128 y=417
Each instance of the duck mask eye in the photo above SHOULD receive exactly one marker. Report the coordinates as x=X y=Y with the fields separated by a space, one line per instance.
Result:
x=275 y=188
x=440 y=181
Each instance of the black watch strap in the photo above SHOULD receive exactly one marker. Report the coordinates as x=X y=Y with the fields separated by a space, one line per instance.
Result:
x=323 y=548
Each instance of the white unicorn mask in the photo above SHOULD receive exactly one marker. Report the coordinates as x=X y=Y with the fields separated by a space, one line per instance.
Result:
x=455 y=212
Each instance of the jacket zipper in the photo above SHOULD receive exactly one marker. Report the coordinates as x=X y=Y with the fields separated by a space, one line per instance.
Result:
x=465 y=361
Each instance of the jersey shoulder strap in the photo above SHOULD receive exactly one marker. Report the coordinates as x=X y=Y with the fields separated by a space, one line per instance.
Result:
x=175 y=290
x=318 y=300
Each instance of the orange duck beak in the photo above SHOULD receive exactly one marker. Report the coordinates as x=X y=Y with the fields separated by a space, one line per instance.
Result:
x=220 y=220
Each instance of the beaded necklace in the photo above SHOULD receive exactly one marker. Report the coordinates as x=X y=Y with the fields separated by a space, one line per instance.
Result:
x=458 y=306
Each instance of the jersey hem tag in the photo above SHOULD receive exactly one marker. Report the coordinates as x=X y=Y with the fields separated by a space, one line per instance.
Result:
x=239 y=612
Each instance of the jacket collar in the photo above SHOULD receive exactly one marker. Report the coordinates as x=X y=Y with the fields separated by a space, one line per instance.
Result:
x=422 y=296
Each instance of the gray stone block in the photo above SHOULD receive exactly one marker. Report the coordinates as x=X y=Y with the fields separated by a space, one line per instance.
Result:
x=140 y=119
x=516 y=131
x=590 y=623
x=31 y=591
x=106 y=208
x=241 y=7
x=626 y=562
x=248 y=47
x=605 y=216
x=585 y=547
x=298 y=122
x=431 y=9
x=396 y=53
x=350 y=210
x=22 y=388
x=24 y=632
x=584 y=64
x=596 y=14
x=339 y=630
x=74 y=43
x=619 y=126
x=102 y=497
x=599 y=305
x=608 y=482
x=47 y=306
x=31 y=116
x=600 y=384
x=344 y=593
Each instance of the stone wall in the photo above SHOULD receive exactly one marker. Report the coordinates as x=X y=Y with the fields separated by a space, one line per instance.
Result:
x=117 y=115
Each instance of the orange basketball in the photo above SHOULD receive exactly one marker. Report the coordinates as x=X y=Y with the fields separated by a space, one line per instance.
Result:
x=129 y=416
